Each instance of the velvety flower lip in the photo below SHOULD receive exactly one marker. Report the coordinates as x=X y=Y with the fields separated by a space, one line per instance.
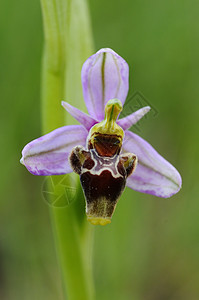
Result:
x=104 y=77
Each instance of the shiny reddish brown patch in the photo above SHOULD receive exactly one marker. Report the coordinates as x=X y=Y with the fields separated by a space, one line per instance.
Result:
x=107 y=145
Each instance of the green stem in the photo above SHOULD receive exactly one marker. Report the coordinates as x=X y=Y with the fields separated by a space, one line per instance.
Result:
x=72 y=242
x=68 y=44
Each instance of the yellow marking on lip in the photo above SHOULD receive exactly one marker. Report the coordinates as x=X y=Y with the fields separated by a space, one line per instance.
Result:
x=98 y=221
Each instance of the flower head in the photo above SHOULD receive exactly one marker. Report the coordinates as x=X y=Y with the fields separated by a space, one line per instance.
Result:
x=101 y=150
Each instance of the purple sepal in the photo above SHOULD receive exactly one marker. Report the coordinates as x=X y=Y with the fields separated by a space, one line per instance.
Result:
x=48 y=155
x=105 y=76
x=154 y=174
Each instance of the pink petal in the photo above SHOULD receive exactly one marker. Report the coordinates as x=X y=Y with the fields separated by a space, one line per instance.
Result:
x=132 y=119
x=105 y=76
x=80 y=116
x=48 y=155
x=154 y=174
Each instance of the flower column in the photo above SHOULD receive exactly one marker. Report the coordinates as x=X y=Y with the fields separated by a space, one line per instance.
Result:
x=67 y=44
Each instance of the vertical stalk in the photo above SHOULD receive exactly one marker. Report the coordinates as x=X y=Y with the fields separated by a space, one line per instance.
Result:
x=68 y=44
x=54 y=62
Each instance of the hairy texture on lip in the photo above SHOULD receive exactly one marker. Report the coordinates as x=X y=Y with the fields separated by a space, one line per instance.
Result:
x=103 y=180
x=101 y=192
x=103 y=185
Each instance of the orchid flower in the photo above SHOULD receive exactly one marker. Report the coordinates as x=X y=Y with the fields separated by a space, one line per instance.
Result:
x=101 y=150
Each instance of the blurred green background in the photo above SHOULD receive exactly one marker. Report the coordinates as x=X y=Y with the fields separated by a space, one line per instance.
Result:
x=151 y=249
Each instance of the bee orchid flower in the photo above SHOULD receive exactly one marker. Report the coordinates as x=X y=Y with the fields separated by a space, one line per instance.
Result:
x=102 y=151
